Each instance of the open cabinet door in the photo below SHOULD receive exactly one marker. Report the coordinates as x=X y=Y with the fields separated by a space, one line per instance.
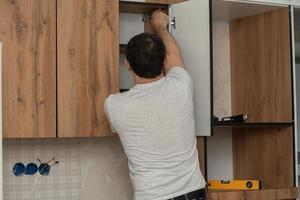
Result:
x=192 y=32
x=295 y=30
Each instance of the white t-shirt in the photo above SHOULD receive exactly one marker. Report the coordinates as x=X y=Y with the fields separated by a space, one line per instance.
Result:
x=156 y=126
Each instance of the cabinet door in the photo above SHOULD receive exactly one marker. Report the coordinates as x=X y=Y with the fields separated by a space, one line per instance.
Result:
x=28 y=33
x=88 y=63
x=192 y=33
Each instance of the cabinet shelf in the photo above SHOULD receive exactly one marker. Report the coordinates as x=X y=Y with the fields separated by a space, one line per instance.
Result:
x=251 y=124
x=264 y=194
x=140 y=8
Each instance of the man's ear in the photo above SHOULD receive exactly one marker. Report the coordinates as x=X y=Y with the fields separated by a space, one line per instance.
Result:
x=165 y=61
x=127 y=65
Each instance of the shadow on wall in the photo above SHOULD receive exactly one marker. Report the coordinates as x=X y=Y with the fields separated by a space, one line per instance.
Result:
x=89 y=168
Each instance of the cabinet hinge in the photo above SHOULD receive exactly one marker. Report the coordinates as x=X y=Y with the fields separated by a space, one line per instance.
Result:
x=173 y=22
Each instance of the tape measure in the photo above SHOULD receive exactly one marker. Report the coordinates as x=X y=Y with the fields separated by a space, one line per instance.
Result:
x=234 y=184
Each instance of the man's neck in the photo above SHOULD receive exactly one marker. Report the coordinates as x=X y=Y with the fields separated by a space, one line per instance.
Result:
x=139 y=80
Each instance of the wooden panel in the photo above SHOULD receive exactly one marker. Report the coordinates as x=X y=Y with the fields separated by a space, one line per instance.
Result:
x=142 y=8
x=272 y=194
x=201 y=153
x=28 y=33
x=265 y=154
x=88 y=63
x=261 y=67
x=165 y=1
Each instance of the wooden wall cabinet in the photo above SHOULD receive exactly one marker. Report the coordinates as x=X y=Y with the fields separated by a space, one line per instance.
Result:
x=60 y=62
x=28 y=33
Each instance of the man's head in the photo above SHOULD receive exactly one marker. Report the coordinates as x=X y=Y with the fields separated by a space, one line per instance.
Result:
x=145 y=54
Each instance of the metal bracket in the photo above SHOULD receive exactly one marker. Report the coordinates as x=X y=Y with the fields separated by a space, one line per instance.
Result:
x=173 y=22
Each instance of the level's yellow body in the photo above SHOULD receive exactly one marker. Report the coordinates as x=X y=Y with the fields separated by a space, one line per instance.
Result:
x=234 y=185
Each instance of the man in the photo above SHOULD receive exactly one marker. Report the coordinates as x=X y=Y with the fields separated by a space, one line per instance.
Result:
x=155 y=119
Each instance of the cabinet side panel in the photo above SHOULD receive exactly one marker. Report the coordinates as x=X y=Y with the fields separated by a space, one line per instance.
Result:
x=88 y=60
x=261 y=66
x=28 y=33
x=202 y=154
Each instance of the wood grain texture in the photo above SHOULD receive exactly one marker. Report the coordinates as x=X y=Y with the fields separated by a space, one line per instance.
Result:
x=265 y=154
x=261 y=66
x=201 y=153
x=140 y=8
x=271 y=194
x=28 y=33
x=165 y=1
x=88 y=65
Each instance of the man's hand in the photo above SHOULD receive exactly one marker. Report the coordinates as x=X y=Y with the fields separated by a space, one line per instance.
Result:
x=159 y=21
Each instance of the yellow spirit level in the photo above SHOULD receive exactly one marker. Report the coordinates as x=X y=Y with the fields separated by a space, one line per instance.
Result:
x=234 y=185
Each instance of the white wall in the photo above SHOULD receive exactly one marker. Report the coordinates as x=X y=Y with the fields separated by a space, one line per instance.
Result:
x=219 y=146
x=219 y=156
x=130 y=25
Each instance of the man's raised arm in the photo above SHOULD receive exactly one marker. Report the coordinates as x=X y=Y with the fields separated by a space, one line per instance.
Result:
x=159 y=22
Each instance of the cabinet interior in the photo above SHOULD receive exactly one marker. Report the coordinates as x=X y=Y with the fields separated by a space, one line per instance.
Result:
x=134 y=19
x=252 y=74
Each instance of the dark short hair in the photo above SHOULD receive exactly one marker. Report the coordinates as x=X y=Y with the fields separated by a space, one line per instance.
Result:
x=146 y=55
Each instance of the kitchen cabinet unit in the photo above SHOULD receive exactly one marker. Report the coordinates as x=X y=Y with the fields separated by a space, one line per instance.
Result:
x=87 y=65
x=28 y=33
x=256 y=50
